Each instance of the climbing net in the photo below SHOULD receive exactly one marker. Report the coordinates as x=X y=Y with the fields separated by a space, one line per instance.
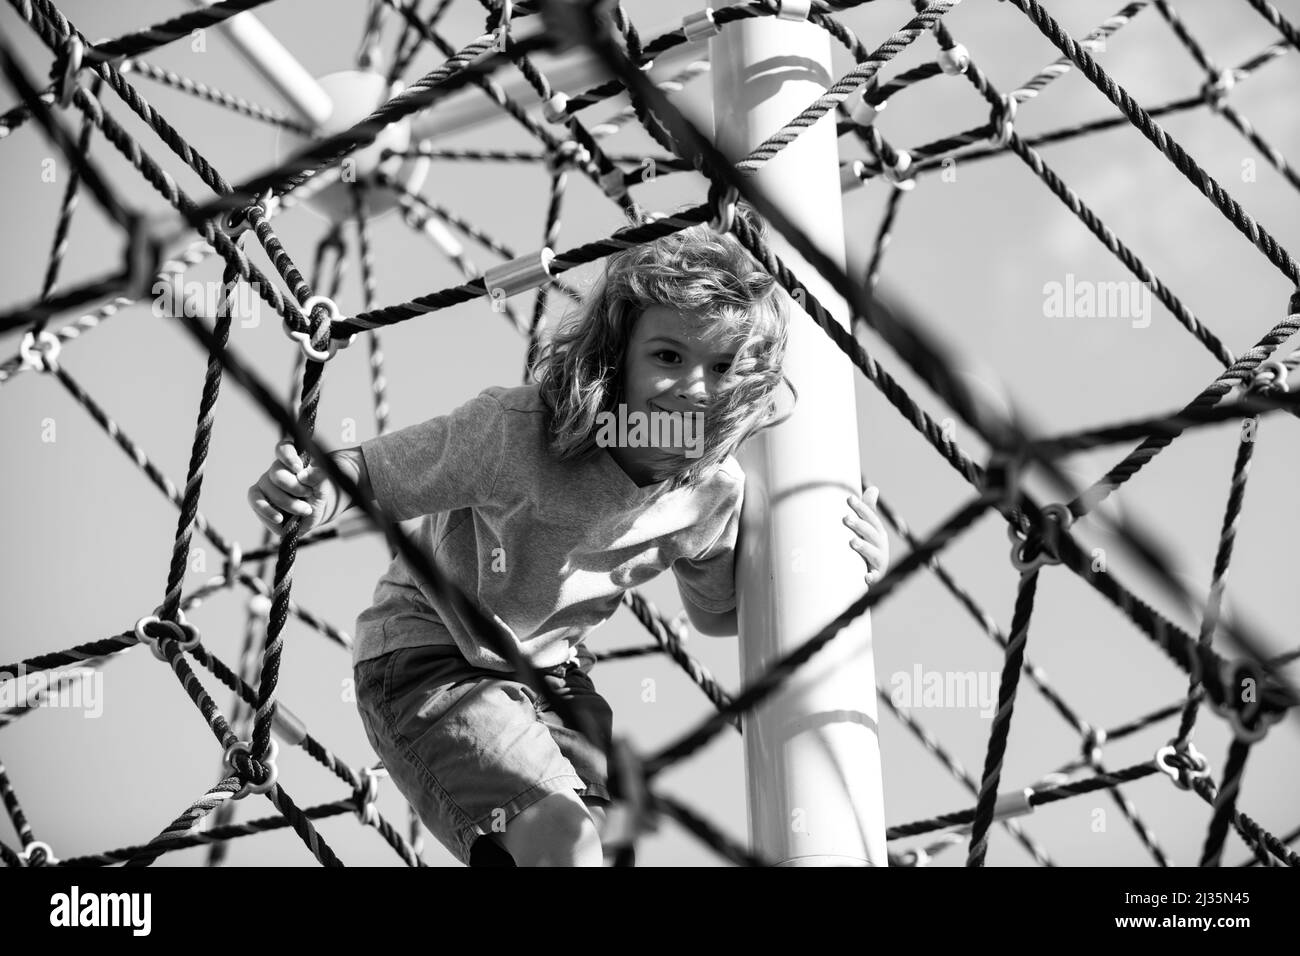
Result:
x=1252 y=384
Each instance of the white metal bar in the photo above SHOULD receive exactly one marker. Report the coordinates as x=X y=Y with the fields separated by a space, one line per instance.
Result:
x=812 y=753
x=264 y=53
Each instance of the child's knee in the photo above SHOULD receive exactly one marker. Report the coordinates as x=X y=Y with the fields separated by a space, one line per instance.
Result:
x=555 y=831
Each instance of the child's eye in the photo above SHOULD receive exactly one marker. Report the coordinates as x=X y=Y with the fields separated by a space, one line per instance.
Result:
x=722 y=368
x=669 y=352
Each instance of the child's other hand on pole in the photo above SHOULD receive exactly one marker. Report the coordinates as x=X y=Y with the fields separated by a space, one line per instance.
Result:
x=871 y=540
x=288 y=490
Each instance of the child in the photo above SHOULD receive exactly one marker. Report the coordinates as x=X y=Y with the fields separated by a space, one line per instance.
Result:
x=528 y=506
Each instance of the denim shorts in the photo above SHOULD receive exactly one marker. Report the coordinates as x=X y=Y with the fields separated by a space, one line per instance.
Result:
x=471 y=748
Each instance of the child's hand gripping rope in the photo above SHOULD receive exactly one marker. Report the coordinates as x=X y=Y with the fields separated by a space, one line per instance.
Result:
x=288 y=490
x=872 y=541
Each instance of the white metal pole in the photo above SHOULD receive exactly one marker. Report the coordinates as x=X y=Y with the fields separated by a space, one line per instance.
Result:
x=812 y=753
x=264 y=53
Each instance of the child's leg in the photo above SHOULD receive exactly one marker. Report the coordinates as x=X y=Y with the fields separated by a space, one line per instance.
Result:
x=557 y=830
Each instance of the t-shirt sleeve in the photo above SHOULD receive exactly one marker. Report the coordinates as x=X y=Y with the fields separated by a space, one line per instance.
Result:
x=709 y=579
x=448 y=462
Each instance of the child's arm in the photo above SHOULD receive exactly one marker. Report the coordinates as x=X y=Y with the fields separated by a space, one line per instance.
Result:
x=287 y=490
x=709 y=623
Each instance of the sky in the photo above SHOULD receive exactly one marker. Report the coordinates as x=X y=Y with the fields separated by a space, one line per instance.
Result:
x=976 y=259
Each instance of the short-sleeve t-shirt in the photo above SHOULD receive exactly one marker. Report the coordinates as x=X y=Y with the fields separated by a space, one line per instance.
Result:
x=548 y=547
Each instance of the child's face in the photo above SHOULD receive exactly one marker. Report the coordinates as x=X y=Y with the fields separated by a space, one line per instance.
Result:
x=672 y=366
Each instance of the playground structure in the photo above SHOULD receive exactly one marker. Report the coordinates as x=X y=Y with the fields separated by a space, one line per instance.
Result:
x=356 y=159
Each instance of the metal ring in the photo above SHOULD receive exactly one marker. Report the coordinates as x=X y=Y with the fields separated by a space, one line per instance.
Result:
x=1216 y=90
x=43 y=358
x=29 y=849
x=796 y=10
x=555 y=108
x=179 y=629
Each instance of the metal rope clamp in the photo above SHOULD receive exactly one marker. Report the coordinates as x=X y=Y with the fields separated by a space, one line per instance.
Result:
x=1057 y=519
x=246 y=746
x=40 y=352
x=555 y=109
x=303 y=338
x=699 y=25
x=796 y=10
x=186 y=634
x=518 y=275
x=1190 y=764
x=568 y=153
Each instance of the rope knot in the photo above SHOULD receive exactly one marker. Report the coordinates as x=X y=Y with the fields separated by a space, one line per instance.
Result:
x=1243 y=705
x=1093 y=739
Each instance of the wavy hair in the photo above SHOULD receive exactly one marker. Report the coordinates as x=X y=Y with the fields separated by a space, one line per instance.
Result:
x=696 y=271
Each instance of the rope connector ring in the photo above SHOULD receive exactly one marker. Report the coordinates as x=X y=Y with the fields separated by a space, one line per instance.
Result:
x=49 y=858
x=699 y=25
x=303 y=338
x=864 y=112
x=1057 y=518
x=273 y=771
x=1003 y=120
x=186 y=634
x=73 y=51
x=40 y=352
x=1270 y=376
x=1190 y=764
